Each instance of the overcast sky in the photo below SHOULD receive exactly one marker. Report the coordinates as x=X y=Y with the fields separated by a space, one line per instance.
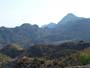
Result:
x=15 y=12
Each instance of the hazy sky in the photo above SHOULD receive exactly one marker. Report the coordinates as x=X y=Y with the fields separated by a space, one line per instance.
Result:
x=16 y=12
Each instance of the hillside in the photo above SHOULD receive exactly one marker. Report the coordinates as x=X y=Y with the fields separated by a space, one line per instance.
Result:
x=12 y=50
x=67 y=54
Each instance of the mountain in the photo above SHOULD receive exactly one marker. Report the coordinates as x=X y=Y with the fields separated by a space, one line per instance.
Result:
x=24 y=35
x=62 y=45
x=48 y=26
x=68 y=18
x=70 y=27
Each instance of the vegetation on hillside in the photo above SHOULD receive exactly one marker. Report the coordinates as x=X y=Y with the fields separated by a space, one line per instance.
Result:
x=67 y=54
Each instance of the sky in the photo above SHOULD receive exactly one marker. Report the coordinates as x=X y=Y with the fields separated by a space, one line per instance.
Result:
x=16 y=12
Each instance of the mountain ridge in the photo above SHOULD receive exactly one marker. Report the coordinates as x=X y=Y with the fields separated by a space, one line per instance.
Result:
x=70 y=27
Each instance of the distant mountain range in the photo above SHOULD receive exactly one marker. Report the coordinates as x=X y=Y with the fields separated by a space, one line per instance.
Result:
x=70 y=27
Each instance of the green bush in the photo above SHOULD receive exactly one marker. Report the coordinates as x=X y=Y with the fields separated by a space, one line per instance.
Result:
x=85 y=57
